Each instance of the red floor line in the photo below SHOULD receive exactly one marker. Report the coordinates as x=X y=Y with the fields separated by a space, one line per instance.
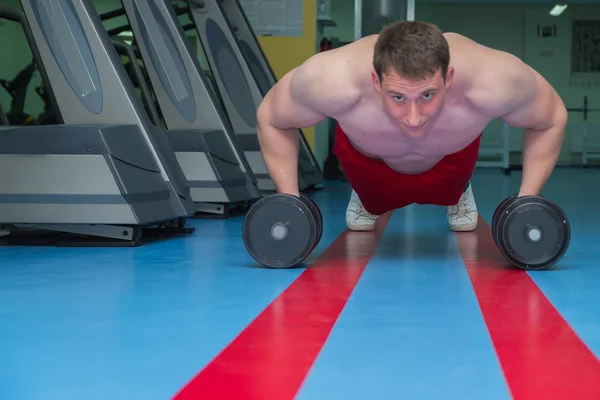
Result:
x=270 y=359
x=540 y=354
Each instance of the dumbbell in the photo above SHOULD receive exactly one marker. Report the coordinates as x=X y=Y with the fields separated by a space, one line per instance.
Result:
x=531 y=232
x=281 y=230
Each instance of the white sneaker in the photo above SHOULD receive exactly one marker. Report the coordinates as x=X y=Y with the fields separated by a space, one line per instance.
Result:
x=357 y=218
x=463 y=216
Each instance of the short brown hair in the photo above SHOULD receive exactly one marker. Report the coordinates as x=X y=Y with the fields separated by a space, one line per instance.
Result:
x=412 y=49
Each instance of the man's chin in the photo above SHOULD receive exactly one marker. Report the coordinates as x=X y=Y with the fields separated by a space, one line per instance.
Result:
x=415 y=131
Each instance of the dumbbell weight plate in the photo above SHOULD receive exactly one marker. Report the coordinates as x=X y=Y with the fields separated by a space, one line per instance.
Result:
x=533 y=233
x=317 y=214
x=499 y=210
x=279 y=231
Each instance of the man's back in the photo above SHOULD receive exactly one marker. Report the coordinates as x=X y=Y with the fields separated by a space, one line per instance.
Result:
x=409 y=96
x=339 y=84
x=348 y=94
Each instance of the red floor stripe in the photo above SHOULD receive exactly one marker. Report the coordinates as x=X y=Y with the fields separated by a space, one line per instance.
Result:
x=540 y=354
x=270 y=359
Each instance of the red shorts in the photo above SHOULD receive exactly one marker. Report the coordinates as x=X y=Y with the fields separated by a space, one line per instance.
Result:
x=381 y=189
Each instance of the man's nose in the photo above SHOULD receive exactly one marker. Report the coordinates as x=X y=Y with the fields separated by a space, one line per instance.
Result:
x=414 y=115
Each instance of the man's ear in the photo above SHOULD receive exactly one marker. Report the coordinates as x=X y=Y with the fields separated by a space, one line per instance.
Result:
x=376 y=81
x=449 y=77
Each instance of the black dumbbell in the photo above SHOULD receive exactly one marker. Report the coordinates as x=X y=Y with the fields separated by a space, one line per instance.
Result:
x=281 y=230
x=317 y=213
x=531 y=232
x=499 y=210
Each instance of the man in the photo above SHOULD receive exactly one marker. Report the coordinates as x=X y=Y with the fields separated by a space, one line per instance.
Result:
x=411 y=105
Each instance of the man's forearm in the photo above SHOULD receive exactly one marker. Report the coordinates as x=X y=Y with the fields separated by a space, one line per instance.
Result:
x=541 y=149
x=279 y=149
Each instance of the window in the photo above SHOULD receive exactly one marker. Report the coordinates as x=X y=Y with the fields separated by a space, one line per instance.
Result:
x=586 y=47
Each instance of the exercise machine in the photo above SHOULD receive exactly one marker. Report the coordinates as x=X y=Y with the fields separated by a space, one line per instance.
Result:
x=3 y=118
x=48 y=116
x=263 y=73
x=107 y=172
x=249 y=45
x=241 y=93
x=197 y=128
x=18 y=86
x=138 y=76
x=17 y=90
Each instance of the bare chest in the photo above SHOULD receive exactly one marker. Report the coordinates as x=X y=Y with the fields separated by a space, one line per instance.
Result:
x=374 y=135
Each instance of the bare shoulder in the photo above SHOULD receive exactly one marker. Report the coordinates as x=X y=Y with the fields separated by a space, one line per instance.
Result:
x=330 y=82
x=325 y=85
x=499 y=83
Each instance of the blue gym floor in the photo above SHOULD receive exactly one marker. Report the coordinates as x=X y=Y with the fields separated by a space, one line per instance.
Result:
x=410 y=311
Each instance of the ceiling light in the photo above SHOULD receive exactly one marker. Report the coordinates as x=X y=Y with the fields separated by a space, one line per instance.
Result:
x=558 y=9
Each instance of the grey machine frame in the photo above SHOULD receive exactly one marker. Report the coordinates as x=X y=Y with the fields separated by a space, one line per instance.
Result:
x=241 y=93
x=107 y=171
x=197 y=127
x=263 y=73
x=139 y=81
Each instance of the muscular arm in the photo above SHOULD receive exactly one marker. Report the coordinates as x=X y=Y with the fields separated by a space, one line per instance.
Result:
x=302 y=98
x=526 y=100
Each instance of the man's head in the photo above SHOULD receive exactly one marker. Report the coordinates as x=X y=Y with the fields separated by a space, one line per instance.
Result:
x=411 y=72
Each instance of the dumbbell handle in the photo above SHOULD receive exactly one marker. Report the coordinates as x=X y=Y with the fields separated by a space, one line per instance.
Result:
x=279 y=231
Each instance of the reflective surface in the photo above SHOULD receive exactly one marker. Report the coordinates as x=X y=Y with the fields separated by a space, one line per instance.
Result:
x=409 y=311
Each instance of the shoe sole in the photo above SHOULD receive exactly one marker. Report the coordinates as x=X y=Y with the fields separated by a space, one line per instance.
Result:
x=361 y=229
x=463 y=228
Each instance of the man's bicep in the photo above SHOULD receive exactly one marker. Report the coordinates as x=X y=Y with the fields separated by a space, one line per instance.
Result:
x=532 y=101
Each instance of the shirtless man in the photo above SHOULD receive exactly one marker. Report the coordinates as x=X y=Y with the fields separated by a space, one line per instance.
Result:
x=411 y=104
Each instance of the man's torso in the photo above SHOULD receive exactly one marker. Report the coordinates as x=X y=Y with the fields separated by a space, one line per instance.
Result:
x=372 y=133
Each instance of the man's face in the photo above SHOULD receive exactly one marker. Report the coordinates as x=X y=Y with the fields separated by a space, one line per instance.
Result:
x=413 y=105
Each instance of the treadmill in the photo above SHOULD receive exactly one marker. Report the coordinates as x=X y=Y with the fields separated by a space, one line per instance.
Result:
x=241 y=93
x=17 y=90
x=18 y=87
x=138 y=79
x=107 y=173
x=263 y=73
x=249 y=45
x=197 y=127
